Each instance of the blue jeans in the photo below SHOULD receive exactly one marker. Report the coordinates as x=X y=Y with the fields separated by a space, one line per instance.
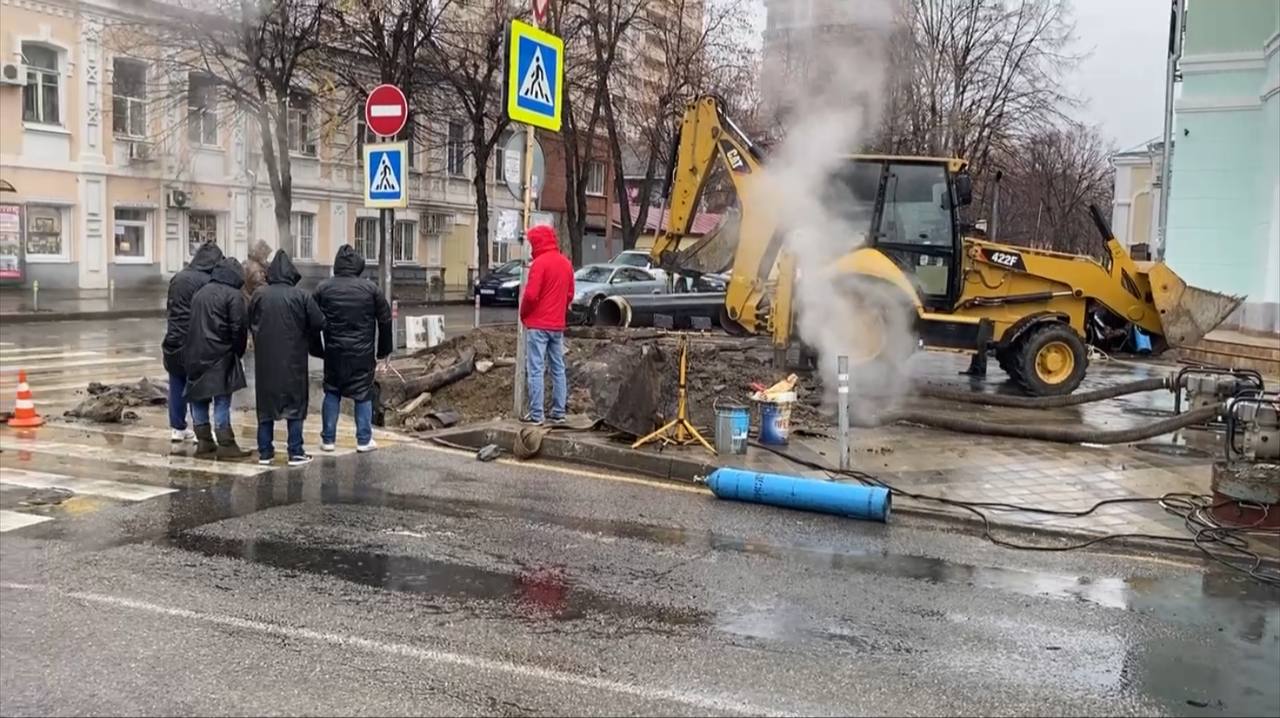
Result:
x=266 y=430
x=329 y=419
x=545 y=350
x=221 y=412
x=177 y=401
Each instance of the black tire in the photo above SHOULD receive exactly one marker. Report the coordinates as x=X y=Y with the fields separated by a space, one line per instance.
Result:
x=1050 y=360
x=887 y=313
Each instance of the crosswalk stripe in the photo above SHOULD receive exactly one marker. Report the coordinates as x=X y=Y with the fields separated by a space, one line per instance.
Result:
x=244 y=432
x=58 y=366
x=4 y=353
x=137 y=458
x=10 y=520
x=34 y=357
x=41 y=390
x=96 y=487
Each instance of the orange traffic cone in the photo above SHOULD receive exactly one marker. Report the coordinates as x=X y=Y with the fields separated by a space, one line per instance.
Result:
x=24 y=409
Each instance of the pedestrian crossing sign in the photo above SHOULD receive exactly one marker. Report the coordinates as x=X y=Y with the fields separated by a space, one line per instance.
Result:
x=384 y=175
x=535 y=76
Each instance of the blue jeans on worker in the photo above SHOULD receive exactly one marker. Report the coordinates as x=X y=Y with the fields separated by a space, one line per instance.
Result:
x=545 y=351
x=266 y=432
x=177 y=401
x=329 y=419
x=221 y=412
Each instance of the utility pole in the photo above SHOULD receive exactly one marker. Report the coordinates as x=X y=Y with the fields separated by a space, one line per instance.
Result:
x=1166 y=152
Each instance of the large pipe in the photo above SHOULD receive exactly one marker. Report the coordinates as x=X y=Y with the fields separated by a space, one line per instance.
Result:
x=1060 y=434
x=640 y=311
x=829 y=497
x=936 y=391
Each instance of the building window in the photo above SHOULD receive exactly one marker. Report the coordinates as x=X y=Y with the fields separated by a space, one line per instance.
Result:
x=457 y=150
x=595 y=178
x=202 y=110
x=404 y=243
x=302 y=230
x=202 y=228
x=300 y=127
x=499 y=253
x=500 y=158
x=364 y=136
x=44 y=232
x=131 y=234
x=40 y=95
x=367 y=238
x=129 y=98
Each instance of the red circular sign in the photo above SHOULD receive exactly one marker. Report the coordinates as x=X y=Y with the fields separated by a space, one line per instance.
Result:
x=386 y=110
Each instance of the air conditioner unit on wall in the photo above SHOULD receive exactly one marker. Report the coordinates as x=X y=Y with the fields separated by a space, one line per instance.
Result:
x=140 y=151
x=12 y=73
x=177 y=199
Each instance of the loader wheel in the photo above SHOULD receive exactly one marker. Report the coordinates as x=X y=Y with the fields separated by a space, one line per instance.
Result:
x=875 y=326
x=1050 y=361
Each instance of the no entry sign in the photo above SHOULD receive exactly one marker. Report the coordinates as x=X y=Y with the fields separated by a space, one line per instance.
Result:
x=386 y=110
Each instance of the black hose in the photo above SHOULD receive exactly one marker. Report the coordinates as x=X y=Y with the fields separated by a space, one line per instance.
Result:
x=937 y=391
x=1060 y=434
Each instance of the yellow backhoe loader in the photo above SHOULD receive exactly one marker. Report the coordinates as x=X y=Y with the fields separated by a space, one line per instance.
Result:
x=960 y=293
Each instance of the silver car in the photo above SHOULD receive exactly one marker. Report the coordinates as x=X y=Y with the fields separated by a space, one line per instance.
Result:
x=594 y=282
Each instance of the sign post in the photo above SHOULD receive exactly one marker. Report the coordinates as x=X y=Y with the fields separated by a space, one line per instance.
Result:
x=385 y=113
x=535 y=86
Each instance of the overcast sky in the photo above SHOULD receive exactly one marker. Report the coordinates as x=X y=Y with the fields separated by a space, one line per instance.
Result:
x=1121 y=82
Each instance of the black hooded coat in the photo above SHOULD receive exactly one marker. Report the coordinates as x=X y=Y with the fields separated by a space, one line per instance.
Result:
x=182 y=288
x=217 y=336
x=285 y=321
x=356 y=317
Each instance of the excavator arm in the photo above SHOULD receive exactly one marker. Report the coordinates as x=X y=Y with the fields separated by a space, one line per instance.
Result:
x=709 y=139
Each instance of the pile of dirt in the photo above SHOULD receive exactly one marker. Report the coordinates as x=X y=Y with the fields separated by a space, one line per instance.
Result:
x=108 y=403
x=626 y=378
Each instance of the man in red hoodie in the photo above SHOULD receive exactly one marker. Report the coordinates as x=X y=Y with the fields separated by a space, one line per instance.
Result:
x=547 y=293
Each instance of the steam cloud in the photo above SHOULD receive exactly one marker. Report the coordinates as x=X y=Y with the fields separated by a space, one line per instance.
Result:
x=829 y=92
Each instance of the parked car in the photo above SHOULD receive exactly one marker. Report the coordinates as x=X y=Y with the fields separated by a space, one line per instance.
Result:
x=594 y=282
x=639 y=258
x=501 y=284
x=705 y=283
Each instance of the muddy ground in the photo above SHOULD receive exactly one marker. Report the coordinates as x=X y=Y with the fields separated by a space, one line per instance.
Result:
x=628 y=379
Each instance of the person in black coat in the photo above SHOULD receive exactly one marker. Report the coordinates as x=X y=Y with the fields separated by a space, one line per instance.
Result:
x=211 y=355
x=356 y=317
x=182 y=288
x=285 y=321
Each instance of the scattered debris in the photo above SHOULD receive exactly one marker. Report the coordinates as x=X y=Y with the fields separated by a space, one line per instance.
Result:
x=483 y=366
x=107 y=403
x=489 y=452
x=415 y=403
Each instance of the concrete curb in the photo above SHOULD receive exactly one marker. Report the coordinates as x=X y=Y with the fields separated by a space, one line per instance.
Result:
x=564 y=447
x=55 y=316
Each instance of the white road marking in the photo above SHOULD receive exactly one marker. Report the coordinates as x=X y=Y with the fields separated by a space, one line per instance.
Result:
x=10 y=520
x=42 y=389
x=96 y=487
x=58 y=366
x=136 y=458
x=28 y=350
x=309 y=435
x=702 y=701
x=5 y=358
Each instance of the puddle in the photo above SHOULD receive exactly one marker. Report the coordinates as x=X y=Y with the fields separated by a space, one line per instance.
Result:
x=535 y=593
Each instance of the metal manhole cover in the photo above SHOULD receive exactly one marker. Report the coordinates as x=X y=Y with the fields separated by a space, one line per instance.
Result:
x=1185 y=452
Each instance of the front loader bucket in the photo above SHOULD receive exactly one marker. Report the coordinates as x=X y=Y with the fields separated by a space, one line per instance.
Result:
x=1187 y=313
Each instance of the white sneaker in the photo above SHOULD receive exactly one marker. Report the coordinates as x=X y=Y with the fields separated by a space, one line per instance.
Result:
x=176 y=435
x=366 y=448
x=327 y=447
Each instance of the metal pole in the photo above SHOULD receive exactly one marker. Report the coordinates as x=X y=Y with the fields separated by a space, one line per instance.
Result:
x=111 y=293
x=842 y=382
x=385 y=216
x=1166 y=169
x=35 y=295
x=995 y=207
x=527 y=181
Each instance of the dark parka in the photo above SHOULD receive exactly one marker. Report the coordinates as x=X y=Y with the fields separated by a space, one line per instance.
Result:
x=355 y=314
x=182 y=288
x=285 y=321
x=217 y=337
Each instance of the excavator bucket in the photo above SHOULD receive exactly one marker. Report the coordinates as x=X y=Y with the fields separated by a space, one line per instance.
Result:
x=1187 y=313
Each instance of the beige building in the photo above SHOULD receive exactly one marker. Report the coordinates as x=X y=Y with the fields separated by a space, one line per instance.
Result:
x=114 y=183
x=1136 y=205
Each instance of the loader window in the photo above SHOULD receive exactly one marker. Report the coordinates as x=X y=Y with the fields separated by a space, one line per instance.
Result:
x=917 y=230
x=850 y=198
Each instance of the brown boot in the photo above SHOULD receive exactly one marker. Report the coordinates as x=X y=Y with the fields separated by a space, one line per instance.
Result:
x=205 y=445
x=227 y=446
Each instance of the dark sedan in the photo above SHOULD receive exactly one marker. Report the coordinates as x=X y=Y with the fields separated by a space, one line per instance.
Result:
x=501 y=284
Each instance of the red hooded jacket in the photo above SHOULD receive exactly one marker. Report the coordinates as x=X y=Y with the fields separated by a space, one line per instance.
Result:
x=549 y=288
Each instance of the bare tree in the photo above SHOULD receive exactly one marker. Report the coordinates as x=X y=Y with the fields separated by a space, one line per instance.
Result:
x=257 y=56
x=1050 y=179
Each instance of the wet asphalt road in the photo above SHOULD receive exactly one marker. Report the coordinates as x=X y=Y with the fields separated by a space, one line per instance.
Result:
x=415 y=581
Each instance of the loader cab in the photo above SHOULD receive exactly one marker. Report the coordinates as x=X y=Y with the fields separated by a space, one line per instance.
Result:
x=911 y=206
